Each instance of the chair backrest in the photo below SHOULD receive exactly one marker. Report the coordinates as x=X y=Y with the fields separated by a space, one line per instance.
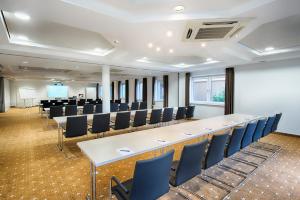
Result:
x=76 y=126
x=155 y=116
x=269 y=124
x=167 y=115
x=72 y=102
x=71 y=110
x=44 y=101
x=55 y=111
x=53 y=101
x=99 y=108
x=101 y=123
x=134 y=105
x=180 y=113
x=190 y=112
x=47 y=104
x=215 y=152
x=143 y=105
x=151 y=177
x=118 y=101
x=114 y=107
x=259 y=130
x=89 y=100
x=88 y=109
x=59 y=103
x=140 y=118
x=190 y=162
x=122 y=120
x=123 y=107
x=235 y=141
x=276 y=121
x=81 y=102
x=248 y=135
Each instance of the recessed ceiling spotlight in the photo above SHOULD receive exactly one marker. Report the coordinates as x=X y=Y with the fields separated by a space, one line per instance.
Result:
x=157 y=49
x=116 y=41
x=269 y=48
x=203 y=44
x=22 y=16
x=171 y=50
x=169 y=33
x=150 y=45
x=22 y=37
x=208 y=59
x=179 y=8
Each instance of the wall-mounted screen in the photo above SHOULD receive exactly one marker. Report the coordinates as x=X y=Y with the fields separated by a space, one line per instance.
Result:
x=57 y=91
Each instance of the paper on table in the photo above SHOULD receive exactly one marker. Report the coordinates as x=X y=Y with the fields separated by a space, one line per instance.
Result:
x=161 y=141
x=124 y=151
x=189 y=134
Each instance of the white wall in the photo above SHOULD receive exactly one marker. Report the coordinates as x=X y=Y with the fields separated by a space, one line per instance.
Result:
x=6 y=94
x=181 y=90
x=173 y=90
x=268 y=88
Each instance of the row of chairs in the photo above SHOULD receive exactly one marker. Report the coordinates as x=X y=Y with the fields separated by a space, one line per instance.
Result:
x=77 y=126
x=152 y=177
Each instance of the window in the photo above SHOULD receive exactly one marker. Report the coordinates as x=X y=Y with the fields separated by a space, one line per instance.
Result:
x=159 y=90
x=208 y=89
x=122 y=91
x=100 y=91
x=139 y=90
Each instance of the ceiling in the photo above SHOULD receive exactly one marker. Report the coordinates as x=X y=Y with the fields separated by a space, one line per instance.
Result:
x=73 y=39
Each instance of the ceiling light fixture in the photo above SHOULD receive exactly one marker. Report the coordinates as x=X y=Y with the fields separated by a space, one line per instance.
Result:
x=269 y=48
x=171 y=50
x=150 y=45
x=116 y=41
x=22 y=16
x=157 y=49
x=169 y=33
x=179 y=8
x=203 y=44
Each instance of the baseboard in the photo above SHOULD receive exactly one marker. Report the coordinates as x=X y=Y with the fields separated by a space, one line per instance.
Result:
x=287 y=134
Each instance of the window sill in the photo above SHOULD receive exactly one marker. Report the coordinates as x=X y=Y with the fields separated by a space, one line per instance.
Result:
x=206 y=103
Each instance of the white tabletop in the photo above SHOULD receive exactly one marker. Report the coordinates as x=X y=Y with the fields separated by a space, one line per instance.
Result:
x=105 y=150
x=78 y=107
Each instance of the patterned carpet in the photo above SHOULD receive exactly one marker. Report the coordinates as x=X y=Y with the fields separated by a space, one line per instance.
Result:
x=33 y=168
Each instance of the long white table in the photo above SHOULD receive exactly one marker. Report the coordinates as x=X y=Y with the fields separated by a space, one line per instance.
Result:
x=110 y=149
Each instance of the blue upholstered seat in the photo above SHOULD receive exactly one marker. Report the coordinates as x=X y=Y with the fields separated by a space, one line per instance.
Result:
x=259 y=130
x=269 y=125
x=248 y=135
x=234 y=144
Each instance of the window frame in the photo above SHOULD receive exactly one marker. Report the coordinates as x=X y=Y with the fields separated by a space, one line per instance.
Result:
x=208 y=90
x=122 y=90
x=139 y=86
x=161 y=99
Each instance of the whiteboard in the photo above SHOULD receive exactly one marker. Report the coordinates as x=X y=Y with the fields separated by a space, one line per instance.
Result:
x=57 y=91
x=27 y=93
x=90 y=92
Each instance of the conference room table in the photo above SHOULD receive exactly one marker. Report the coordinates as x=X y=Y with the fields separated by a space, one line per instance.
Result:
x=107 y=150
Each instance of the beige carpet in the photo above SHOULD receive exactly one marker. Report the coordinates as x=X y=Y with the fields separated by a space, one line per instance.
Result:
x=33 y=168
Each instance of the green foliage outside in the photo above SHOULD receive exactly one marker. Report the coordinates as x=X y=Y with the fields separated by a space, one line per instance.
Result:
x=220 y=97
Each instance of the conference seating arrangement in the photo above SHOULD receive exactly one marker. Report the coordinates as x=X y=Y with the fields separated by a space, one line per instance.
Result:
x=123 y=107
x=98 y=108
x=140 y=118
x=181 y=111
x=167 y=115
x=114 y=107
x=143 y=105
x=122 y=121
x=88 y=109
x=55 y=111
x=190 y=112
x=70 y=110
x=134 y=105
x=100 y=124
x=155 y=117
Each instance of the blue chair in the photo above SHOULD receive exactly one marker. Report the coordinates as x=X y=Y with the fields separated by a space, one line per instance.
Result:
x=189 y=164
x=276 y=121
x=269 y=125
x=88 y=109
x=259 y=130
x=99 y=108
x=190 y=112
x=150 y=180
x=180 y=114
x=143 y=105
x=167 y=115
x=140 y=118
x=100 y=124
x=155 y=116
x=234 y=144
x=123 y=107
x=215 y=152
x=134 y=106
x=56 y=111
x=70 y=110
x=114 y=107
x=248 y=135
x=122 y=121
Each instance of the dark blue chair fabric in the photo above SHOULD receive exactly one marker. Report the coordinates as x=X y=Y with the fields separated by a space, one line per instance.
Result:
x=46 y=105
x=123 y=107
x=150 y=180
x=99 y=108
x=143 y=105
x=81 y=102
x=190 y=112
x=88 y=109
x=140 y=118
x=122 y=120
x=180 y=113
x=268 y=127
x=167 y=115
x=259 y=130
x=44 y=101
x=248 y=135
x=59 y=103
x=76 y=126
x=134 y=105
x=190 y=163
x=72 y=102
x=56 y=111
x=276 y=122
x=114 y=107
x=101 y=123
x=215 y=152
x=155 y=116
x=70 y=110
x=234 y=144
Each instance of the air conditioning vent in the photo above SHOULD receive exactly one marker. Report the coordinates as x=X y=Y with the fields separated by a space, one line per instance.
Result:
x=197 y=30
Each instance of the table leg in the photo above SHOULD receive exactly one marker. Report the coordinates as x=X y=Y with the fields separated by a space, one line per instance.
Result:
x=93 y=181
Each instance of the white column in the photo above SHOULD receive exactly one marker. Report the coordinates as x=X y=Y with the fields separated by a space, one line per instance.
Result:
x=106 y=89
